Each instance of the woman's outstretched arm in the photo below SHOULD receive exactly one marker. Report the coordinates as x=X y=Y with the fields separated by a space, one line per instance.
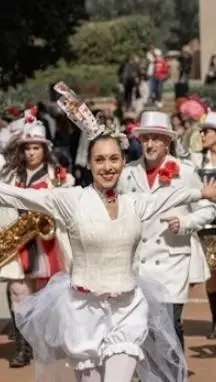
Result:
x=54 y=202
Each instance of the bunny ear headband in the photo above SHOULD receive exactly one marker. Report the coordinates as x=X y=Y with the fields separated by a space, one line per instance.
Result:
x=79 y=113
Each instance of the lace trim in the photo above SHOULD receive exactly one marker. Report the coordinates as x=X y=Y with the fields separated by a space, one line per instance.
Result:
x=124 y=347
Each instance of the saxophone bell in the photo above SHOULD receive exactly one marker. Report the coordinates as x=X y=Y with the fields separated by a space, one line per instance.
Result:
x=29 y=226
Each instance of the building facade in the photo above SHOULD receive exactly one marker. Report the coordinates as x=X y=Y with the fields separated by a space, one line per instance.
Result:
x=207 y=32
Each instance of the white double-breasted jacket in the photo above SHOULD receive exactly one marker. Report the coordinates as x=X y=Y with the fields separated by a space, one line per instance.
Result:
x=175 y=260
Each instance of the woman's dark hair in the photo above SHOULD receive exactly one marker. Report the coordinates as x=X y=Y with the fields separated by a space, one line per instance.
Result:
x=179 y=116
x=16 y=161
x=103 y=138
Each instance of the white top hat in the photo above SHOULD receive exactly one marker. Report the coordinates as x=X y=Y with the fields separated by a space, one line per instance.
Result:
x=155 y=122
x=32 y=130
x=209 y=121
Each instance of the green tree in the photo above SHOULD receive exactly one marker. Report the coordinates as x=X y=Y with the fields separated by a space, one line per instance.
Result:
x=160 y=12
x=177 y=21
x=34 y=35
x=103 y=42
x=185 y=25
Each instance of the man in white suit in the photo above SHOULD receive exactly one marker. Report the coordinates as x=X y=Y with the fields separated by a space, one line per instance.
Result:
x=165 y=249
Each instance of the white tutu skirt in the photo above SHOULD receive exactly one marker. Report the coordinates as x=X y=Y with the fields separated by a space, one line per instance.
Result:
x=67 y=328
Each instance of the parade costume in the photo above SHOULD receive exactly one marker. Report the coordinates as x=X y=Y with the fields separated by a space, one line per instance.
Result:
x=174 y=260
x=102 y=312
x=102 y=297
x=39 y=259
x=207 y=169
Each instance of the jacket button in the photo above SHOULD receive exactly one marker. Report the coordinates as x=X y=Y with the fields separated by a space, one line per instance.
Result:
x=134 y=189
x=129 y=177
x=157 y=262
x=144 y=240
x=143 y=261
x=158 y=241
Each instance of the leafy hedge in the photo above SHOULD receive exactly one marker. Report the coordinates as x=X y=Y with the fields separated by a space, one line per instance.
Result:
x=88 y=81
x=205 y=91
x=112 y=41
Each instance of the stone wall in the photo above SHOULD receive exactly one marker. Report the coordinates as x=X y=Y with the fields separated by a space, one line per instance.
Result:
x=207 y=32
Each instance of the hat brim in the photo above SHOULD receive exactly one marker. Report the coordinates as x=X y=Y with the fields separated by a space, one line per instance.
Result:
x=204 y=126
x=33 y=140
x=153 y=130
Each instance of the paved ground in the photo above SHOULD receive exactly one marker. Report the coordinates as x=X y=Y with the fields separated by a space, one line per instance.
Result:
x=201 y=353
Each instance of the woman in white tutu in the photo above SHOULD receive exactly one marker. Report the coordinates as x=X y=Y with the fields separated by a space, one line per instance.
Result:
x=101 y=319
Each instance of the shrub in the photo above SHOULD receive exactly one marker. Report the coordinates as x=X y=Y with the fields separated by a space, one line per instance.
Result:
x=88 y=81
x=205 y=91
x=112 y=41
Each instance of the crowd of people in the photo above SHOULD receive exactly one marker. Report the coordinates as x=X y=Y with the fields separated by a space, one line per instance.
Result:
x=102 y=285
x=142 y=78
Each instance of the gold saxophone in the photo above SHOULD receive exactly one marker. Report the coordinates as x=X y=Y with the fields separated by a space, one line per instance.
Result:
x=208 y=240
x=27 y=227
x=209 y=246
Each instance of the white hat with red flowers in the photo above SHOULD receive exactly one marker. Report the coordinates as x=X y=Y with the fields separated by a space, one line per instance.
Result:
x=155 y=122
x=32 y=129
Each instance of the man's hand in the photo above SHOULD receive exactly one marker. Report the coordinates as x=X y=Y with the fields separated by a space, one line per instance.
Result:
x=173 y=223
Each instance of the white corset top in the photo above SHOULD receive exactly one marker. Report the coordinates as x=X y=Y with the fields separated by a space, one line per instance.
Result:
x=103 y=251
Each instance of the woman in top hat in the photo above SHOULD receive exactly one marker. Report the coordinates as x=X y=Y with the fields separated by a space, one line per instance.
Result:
x=100 y=319
x=31 y=164
x=206 y=160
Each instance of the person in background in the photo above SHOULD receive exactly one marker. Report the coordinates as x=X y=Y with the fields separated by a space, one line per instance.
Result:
x=150 y=56
x=63 y=140
x=32 y=166
x=185 y=64
x=178 y=126
x=191 y=111
x=129 y=74
x=206 y=159
x=160 y=74
x=211 y=74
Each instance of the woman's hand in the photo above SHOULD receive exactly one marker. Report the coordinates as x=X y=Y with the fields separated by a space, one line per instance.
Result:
x=209 y=191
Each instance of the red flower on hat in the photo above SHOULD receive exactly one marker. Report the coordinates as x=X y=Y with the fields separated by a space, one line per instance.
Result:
x=168 y=172
x=31 y=114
